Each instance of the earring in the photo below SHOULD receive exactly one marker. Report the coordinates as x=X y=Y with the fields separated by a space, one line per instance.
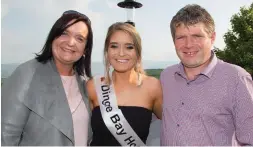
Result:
x=83 y=55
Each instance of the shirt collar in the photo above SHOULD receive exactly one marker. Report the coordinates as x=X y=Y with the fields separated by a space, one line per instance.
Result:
x=208 y=71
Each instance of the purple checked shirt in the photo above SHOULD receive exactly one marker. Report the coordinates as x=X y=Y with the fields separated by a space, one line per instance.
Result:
x=209 y=110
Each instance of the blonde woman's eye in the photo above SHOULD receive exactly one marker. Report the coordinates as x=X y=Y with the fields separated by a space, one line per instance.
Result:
x=113 y=46
x=130 y=47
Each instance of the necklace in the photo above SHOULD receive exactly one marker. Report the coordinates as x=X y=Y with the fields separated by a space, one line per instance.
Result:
x=77 y=106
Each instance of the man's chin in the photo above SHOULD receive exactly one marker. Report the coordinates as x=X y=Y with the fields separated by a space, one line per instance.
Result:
x=193 y=65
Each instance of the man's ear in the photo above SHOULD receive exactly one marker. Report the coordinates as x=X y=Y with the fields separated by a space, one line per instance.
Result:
x=213 y=37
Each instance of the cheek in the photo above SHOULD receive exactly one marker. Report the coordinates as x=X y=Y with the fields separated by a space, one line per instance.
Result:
x=178 y=48
x=133 y=54
x=54 y=48
x=207 y=44
x=54 y=45
x=112 y=54
x=57 y=44
x=178 y=45
x=109 y=57
x=135 y=58
x=81 y=49
x=58 y=41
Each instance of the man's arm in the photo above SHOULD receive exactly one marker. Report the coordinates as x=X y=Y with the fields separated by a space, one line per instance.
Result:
x=243 y=110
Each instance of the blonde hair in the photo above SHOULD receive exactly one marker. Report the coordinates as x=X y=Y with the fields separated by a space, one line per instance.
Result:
x=130 y=30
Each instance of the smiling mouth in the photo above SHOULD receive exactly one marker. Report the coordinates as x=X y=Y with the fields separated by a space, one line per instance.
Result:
x=190 y=53
x=67 y=50
x=122 y=60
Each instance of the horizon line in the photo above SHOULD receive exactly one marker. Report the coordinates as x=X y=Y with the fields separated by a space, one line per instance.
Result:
x=100 y=61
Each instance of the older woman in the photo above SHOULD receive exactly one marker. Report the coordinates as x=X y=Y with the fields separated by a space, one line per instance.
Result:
x=44 y=101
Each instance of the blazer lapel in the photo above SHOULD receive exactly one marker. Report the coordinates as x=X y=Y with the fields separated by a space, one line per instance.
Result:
x=48 y=99
x=83 y=91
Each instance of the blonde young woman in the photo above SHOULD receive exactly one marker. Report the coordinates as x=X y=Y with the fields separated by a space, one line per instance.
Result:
x=136 y=95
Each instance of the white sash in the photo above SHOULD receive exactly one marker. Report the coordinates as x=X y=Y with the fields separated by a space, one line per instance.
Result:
x=113 y=117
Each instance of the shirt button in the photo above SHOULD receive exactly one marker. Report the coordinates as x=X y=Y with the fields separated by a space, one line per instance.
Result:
x=182 y=103
x=178 y=125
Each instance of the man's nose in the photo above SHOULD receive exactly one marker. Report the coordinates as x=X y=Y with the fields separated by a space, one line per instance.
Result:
x=189 y=42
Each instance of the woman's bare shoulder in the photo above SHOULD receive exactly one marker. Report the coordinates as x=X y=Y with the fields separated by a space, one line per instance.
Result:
x=151 y=81
x=152 y=85
x=90 y=82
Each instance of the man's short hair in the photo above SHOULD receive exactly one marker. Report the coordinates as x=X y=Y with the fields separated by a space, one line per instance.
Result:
x=192 y=14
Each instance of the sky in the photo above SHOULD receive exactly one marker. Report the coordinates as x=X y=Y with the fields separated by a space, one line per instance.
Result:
x=25 y=24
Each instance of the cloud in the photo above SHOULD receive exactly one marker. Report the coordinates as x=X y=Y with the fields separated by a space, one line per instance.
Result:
x=25 y=24
x=15 y=47
x=4 y=11
x=112 y=4
x=45 y=10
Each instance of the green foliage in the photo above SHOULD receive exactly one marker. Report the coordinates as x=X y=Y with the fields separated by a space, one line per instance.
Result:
x=239 y=40
x=154 y=72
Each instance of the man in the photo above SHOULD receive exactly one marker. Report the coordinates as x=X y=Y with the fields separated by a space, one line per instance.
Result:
x=206 y=101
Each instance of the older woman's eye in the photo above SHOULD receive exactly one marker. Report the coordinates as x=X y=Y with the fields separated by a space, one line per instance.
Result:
x=64 y=33
x=81 y=40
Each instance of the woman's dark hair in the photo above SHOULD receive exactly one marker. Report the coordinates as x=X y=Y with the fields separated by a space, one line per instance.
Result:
x=83 y=64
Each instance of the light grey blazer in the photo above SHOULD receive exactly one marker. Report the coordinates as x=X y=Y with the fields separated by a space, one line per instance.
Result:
x=35 y=111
